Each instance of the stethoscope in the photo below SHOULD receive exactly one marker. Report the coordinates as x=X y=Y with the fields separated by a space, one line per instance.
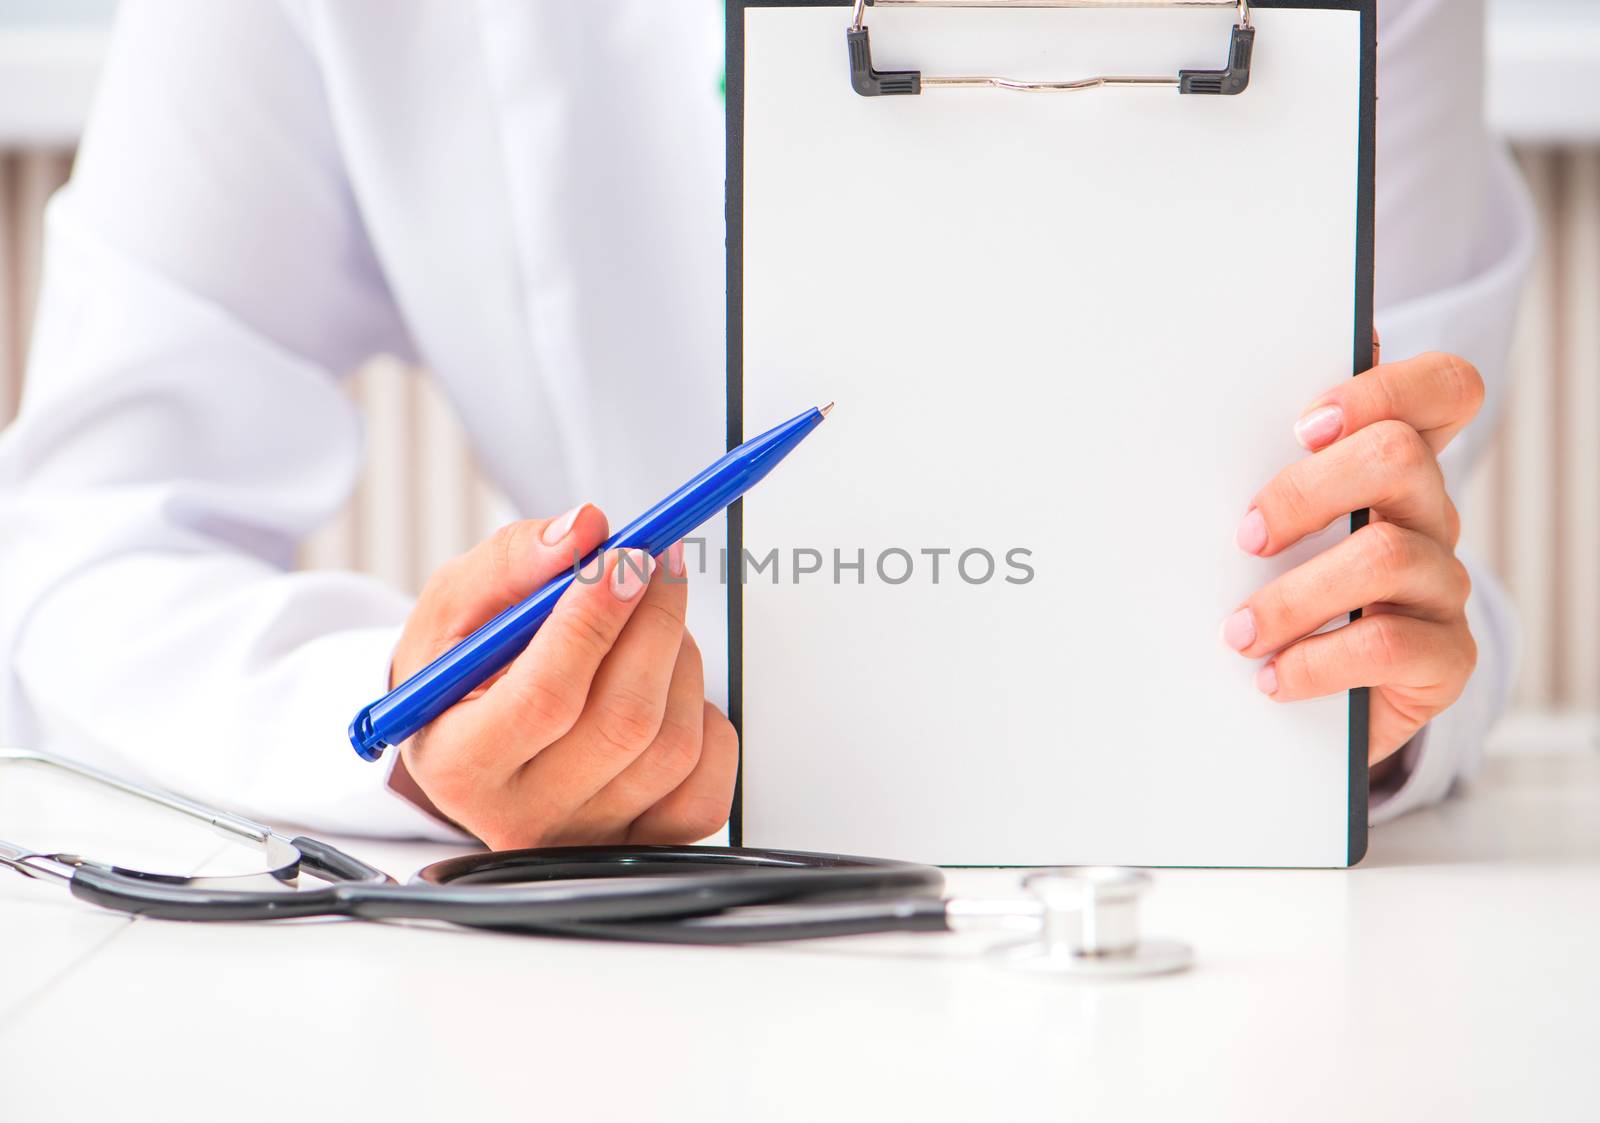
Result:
x=1081 y=920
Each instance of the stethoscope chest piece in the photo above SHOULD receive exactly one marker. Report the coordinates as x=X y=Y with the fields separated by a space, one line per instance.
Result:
x=1089 y=926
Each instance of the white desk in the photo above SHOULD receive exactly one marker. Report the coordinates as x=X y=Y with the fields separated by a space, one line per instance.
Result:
x=1455 y=975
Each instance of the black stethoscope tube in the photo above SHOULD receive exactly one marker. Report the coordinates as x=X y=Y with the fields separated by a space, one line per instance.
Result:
x=793 y=922
x=678 y=894
x=809 y=896
x=659 y=894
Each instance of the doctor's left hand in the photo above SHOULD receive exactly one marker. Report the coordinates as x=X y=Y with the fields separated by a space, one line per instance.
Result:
x=1375 y=442
x=600 y=730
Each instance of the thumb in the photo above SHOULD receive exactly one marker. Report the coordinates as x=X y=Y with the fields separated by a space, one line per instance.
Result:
x=508 y=566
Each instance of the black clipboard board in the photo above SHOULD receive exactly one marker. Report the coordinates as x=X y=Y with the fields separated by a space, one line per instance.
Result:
x=870 y=75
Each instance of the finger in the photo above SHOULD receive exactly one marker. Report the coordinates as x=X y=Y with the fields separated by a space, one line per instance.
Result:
x=1436 y=394
x=1430 y=660
x=1386 y=467
x=544 y=691
x=670 y=758
x=699 y=806
x=626 y=704
x=1392 y=720
x=1382 y=563
x=509 y=566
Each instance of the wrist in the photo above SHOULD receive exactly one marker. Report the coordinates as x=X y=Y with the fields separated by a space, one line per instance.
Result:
x=405 y=785
x=1382 y=773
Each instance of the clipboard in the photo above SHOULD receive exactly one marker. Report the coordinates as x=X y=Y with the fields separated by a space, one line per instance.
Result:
x=1071 y=270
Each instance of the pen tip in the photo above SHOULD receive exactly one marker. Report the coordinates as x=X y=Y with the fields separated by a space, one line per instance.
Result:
x=825 y=410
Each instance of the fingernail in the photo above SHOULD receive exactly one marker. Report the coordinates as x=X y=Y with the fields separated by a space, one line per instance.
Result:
x=675 y=559
x=1239 y=630
x=1267 y=679
x=554 y=532
x=1319 y=428
x=1252 y=533
x=632 y=573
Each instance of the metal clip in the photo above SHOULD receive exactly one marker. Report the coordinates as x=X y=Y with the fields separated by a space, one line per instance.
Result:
x=868 y=81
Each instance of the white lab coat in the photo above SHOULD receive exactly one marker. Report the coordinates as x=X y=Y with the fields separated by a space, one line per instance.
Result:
x=526 y=196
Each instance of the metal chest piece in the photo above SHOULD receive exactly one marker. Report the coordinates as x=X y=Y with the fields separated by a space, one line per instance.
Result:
x=1089 y=926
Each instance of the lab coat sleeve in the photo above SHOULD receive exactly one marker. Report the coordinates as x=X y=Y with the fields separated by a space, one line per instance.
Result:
x=1473 y=319
x=183 y=430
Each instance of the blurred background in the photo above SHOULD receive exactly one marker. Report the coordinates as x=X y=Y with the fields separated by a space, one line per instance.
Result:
x=1532 y=513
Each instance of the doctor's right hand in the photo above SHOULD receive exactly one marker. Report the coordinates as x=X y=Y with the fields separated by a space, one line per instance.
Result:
x=599 y=731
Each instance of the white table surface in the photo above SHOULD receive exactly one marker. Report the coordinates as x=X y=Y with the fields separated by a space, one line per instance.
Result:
x=1455 y=975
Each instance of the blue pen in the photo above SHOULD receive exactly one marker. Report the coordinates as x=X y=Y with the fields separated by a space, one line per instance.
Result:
x=469 y=664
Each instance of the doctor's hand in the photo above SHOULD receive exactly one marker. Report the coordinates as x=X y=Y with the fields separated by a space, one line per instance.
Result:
x=599 y=731
x=1374 y=441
